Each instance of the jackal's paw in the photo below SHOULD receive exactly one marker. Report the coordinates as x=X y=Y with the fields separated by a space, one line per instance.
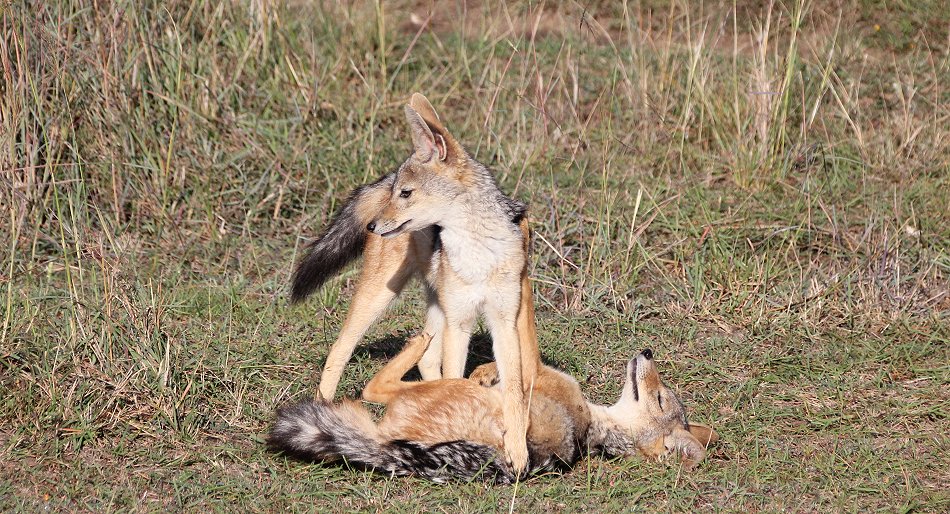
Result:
x=516 y=452
x=486 y=374
x=419 y=340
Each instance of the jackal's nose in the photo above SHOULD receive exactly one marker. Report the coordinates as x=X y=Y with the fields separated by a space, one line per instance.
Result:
x=371 y=226
x=647 y=354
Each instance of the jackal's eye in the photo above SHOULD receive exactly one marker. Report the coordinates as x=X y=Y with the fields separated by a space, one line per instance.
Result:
x=405 y=193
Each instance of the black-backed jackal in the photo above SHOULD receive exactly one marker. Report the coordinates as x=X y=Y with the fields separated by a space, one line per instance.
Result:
x=441 y=217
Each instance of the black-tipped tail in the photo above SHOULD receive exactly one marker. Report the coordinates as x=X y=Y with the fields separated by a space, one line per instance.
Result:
x=460 y=460
x=342 y=241
x=321 y=431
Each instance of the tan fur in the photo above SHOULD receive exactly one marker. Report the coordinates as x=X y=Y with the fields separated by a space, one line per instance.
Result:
x=370 y=207
x=388 y=265
x=561 y=417
x=421 y=411
x=527 y=332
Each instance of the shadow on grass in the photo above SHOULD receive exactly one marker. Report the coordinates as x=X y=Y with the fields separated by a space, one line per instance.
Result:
x=385 y=348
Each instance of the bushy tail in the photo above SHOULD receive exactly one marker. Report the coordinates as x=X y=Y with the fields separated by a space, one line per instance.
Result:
x=320 y=430
x=343 y=239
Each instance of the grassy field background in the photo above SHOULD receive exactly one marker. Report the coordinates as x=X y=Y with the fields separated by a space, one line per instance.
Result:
x=760 y=193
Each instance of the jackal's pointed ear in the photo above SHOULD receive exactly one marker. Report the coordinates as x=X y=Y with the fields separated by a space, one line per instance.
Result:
x=704 y=434
x=445 y=147
x=424 y=108
x=425 y=142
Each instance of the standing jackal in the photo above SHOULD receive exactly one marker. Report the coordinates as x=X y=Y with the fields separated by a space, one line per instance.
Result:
x=440 y=216
x=453 y=428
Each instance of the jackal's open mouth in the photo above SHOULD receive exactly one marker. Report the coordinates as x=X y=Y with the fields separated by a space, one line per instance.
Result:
x=396 y=230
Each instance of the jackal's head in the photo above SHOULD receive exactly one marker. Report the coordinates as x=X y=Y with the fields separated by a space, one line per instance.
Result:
x=650 y=419
x=438 y=171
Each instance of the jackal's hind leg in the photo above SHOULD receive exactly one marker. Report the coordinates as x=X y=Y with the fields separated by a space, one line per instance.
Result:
x=386 y=269
x=388 y=382
x=527 y=335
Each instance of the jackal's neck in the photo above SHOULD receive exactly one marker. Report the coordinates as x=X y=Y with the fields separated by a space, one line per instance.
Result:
x=480 y=228
x=484 y=200
x=606 y=433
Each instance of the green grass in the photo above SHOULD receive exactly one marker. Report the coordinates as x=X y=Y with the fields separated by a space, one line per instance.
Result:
x=759 y=194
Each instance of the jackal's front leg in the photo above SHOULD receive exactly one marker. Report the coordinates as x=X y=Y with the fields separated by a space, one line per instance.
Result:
x=514 y=410
x=455 y=339
x=430 y=365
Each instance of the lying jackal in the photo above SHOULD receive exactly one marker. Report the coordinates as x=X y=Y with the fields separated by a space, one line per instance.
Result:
x=453 y=428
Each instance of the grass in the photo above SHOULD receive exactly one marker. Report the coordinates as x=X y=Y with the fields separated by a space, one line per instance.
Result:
x=757 y=192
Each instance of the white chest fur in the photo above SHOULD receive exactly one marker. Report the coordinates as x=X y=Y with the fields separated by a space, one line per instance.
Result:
x=477 y=253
